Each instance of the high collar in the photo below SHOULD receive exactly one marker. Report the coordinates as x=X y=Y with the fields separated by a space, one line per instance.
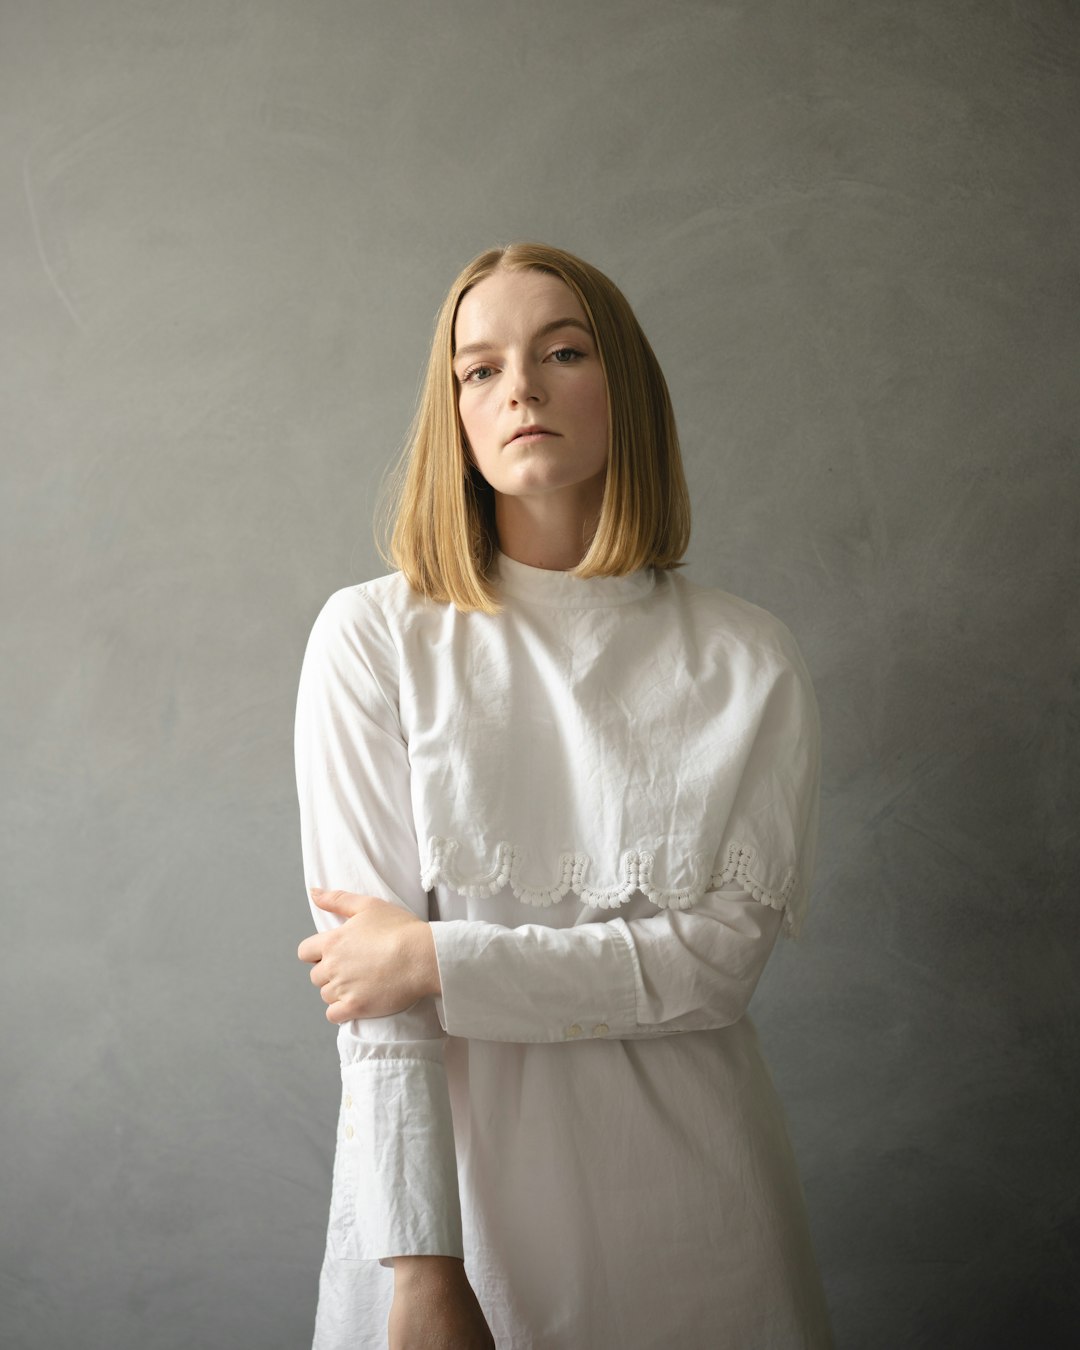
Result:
x=546 y=586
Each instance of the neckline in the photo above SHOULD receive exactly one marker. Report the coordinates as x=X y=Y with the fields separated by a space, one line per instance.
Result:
x=547 y=586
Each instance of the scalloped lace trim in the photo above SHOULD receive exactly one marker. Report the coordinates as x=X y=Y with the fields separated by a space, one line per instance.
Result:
x=637 y=876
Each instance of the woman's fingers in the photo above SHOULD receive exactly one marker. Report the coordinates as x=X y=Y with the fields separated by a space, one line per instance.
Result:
x=311 y=947
x=331 y=994
x=339 y=1010
x=338 y=902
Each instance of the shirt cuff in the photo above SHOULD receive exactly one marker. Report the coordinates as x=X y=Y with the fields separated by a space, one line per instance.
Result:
x=395 y=1174
x=535 y=983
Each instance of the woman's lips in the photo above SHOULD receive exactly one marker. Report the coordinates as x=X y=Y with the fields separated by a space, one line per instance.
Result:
x=528 y=436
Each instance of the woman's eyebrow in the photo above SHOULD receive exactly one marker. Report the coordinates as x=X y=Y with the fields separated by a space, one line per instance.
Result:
x=540 y=332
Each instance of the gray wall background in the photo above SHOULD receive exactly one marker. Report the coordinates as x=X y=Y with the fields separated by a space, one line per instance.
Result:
x=850 y=230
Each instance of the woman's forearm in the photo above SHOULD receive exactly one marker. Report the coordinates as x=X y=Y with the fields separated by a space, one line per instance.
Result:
x=435 y=1305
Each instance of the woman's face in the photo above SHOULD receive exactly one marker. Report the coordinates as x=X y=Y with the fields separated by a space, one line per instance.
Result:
x=525 y=356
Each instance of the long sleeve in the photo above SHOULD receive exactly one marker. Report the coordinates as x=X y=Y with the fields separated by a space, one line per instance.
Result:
x=398 y=1174
x=679 y=970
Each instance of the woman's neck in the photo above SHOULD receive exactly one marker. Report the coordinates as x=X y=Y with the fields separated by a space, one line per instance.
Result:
x=550 y=532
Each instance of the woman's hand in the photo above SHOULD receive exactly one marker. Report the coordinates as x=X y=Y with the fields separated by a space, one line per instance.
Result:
x=380 y=961
x=434 y=1307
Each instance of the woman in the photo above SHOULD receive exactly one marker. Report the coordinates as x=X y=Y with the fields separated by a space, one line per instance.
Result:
x=561 y=801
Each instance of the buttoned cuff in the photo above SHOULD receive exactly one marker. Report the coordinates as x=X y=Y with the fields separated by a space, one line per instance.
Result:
x=395 y=1187
x=535 y=983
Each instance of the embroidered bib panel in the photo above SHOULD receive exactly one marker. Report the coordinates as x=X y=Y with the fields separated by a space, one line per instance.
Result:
x=605 y=736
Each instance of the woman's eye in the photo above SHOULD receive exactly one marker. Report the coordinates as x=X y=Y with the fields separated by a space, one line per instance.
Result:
x=562 y=356
x=474 y=370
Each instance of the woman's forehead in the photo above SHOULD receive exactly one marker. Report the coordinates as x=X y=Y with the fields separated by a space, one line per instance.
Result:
x=512 y=301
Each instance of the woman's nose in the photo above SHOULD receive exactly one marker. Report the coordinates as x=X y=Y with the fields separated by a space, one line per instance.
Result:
x=525 y=385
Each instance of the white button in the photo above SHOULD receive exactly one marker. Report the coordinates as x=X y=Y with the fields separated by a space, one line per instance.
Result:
x=575 y=1030
x=348 y=1131
x=601 y=1030
x=348 y=1101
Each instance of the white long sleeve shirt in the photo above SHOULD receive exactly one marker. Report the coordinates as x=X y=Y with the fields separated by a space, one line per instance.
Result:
x=605 y=799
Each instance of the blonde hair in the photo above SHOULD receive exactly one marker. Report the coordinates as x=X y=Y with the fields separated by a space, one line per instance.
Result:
x=440 y=511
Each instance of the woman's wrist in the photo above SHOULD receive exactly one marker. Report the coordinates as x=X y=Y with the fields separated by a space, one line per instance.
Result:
x=408 y=1268
x=426 y=961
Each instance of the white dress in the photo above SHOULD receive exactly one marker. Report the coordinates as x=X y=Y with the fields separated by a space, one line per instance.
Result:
x=605 y=799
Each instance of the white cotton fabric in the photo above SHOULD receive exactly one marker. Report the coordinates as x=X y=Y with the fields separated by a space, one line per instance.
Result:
x=605 y=798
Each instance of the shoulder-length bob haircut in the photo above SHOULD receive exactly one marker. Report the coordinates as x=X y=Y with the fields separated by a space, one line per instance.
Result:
x=439 y=511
